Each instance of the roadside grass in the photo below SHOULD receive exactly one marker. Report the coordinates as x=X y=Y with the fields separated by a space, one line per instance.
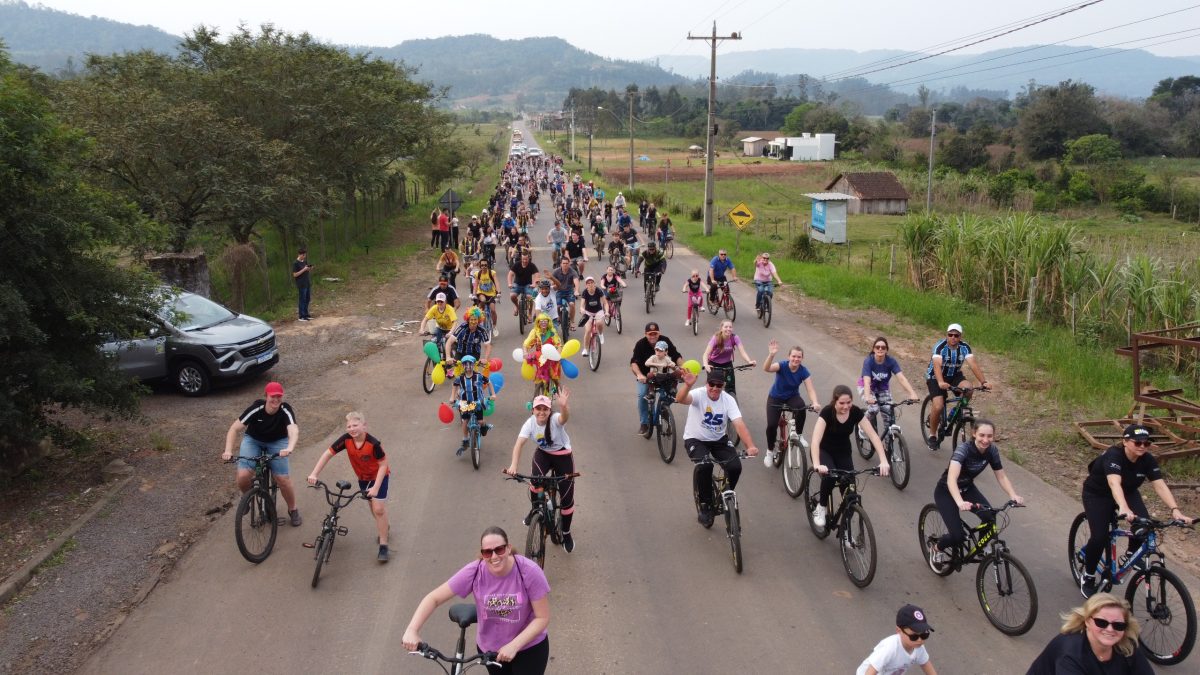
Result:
x=59 y=557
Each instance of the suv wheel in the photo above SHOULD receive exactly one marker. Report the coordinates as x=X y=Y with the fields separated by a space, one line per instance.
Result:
x=191 y=379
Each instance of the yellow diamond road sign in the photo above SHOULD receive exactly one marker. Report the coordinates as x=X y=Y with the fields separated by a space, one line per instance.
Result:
x=741 y=215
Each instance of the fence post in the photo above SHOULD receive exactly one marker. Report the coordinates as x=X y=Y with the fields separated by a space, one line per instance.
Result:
x=892 y=264
x=1073 y=296
x=1029 y=304
x=871 y=265
x=791 y=227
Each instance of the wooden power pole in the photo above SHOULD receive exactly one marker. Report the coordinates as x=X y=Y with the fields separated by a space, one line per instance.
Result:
x=710 y=148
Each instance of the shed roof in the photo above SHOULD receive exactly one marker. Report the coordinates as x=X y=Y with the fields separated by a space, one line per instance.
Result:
x=752 y=139
x=873 y=185
x=828 y=196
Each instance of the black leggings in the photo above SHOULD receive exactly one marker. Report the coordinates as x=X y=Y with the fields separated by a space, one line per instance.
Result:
x=773 y=414
x=948 y=509
x=838 y=460
x=1100 y=511
x=559 y=465
x=721 y=451
x=528 y=661
x=730 y=375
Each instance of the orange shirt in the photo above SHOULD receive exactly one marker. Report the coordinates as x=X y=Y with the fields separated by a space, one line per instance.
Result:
x=365 y=458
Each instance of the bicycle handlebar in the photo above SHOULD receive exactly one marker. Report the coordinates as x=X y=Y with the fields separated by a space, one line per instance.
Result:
x=842 y=473
x=1010 y=504
x=335 y=498
x=1139 y=522
x=425 y=650
x=709 y=459
x=540 y=481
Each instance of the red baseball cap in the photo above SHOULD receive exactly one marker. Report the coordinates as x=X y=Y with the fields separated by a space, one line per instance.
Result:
x=274 y=389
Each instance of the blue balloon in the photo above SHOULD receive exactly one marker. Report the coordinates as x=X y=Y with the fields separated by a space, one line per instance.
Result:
x=497 y=382
x=569 y=369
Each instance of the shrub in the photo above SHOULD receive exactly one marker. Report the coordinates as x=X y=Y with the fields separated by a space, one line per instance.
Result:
x=804 y=250
x=697 y=212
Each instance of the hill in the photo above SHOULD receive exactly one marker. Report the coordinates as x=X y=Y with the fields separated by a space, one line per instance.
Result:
x=49 y=39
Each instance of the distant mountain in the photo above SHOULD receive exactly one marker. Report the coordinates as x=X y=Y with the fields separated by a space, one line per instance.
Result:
x=1130 y=73
x=46 y=38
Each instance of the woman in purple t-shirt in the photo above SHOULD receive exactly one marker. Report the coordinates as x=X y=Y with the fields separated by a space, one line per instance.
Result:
x=511 y=600
x=719 y=354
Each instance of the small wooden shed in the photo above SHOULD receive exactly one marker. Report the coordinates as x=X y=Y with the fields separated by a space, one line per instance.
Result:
x=876 y=192
x=753 y=146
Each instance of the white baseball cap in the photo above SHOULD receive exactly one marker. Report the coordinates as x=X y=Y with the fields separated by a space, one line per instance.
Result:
x=954 y=327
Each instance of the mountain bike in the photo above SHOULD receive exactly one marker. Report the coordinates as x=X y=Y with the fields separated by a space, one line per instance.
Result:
x=650 y=288
x=659 y=397
x=464 y=615
x=592 y=343
x=1003 y=585
x=856 y=537
x=427 y=372
x=255 y=523
x=696 y=303
x=763 y=305
x=724 y=503
x=791 y=450
x=723 y=301
x=330 y=529
x=545 y=517
x=893 y=442
x=1159 y=599
x=613 y=315
x=957 y=415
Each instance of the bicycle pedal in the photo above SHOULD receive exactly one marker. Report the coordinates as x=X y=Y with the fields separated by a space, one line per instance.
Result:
x=343 y=530
x=308 y=544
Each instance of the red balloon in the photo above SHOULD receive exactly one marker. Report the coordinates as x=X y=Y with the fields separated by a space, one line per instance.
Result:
x=495 y=365
x=445 y=414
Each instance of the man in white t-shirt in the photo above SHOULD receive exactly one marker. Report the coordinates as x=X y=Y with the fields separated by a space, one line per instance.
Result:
x=896 y=653
x=710 y=412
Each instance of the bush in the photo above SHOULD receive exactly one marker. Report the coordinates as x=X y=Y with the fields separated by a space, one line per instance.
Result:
x=1045 y=200
x=697 y=213
x=1080 y=188
x=804 y=250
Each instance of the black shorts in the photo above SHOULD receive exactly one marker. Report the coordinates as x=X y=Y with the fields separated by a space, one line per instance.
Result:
x=953 y=381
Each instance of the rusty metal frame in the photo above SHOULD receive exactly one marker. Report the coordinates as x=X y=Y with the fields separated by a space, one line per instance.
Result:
x=1156 y=339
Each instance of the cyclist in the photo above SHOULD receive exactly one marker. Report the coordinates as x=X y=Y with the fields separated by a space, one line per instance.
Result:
x=471 y=387
x=611 y=283
x=576 y=251
x=655 y=262
x=469 y=339
x=831 y=444
x=710 y=412
x=642 y=350
x=718 y=267
x=619 y=201
x=945 y=370
x=556 y=237
x=511 y=601
x=666 y=231
x=370 y=465
x=695 y=289
x=956 y=490
x=486 y=289
x=1112 y=487
x=764 y=271
x=470 y=244
x=443 y=288
x=630 y=236
x=785 y=390
x=718 y=355
x=878 y=369
x=895 y=653
x=448 y=265
x=566 y=285
x=439 y=319
x=592 y=307
x=271 y=429
x=521 y=278
x=553 y=455
x=616 y=248
x=488 y=244
x=546 y=363
x=543 y=302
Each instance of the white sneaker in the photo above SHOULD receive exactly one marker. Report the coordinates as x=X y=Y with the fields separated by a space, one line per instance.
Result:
x=769 y=459
x=585 y=352
x=687 y=323
x=819 y=516
x=495 y=333
x=601 y=336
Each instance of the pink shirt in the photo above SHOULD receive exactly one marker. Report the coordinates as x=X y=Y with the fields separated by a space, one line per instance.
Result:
x=504 y=604
x=765 y=272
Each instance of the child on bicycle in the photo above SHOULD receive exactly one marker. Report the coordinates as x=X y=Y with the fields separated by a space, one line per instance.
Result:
x=370 y=465
x=471 y=393
x=661 y=371
x=896 y=653
x=695 y=289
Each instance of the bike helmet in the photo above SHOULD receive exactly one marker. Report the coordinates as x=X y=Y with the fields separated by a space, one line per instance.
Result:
x=468 y=360
x=543 y=284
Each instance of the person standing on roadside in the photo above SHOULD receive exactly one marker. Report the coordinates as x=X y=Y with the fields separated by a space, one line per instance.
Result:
x=950 y=356
x=270 y=426
x=300 y=274
x=443 y=229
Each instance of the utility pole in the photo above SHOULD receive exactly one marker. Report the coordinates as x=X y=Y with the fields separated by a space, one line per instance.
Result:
x=709 y=153
x=572 y=131
x=929 y=180
x=630 y=94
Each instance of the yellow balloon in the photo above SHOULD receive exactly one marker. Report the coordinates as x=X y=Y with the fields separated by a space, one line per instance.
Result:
x=569 y=349
x=439 y=374
x=527 y=371
x=693 y=366
x=458 y=369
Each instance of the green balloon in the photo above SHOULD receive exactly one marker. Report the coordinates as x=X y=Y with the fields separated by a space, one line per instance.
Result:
x=431 y=351
x=489 y=408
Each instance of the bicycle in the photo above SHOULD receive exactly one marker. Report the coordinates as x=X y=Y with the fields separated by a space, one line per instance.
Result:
x=592 y=343
x=957 y=414
x=724 y=300
x=893 y=443
x=564 y=317
x=667 y=244
x=524 y=309
x=696 y=303
x=1003 y=585
x=427 y=372
x=464 y=615
x=763 y=307
x=1158 y=598
x=617 y=260
x=659 y=398
x=727 y=505
x=545 y=516
x=329 y=527
x=255 y=523
x=856 y=537
x=792 y=450
x=613 y=315
x=474 y=428
x=650 y=288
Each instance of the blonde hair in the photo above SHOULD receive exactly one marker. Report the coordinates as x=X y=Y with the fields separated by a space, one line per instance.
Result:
x=355 y=415
x=1073 y=621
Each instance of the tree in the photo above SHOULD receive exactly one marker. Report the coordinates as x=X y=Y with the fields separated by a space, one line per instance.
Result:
x=1054 y=115
x=962 y=154
x=1092 y=149
x=60 y=288
x=794 y=123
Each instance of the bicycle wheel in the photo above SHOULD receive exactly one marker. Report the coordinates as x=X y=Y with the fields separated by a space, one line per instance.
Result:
x=733 y=527
x=666 y=434
x=427 y=376
x=1166 y=612
x=766 y=311
x=564 y=321
x=857 y=540
x=898 y=456
x=324 y=548
x=523 y=313
x=795 y=465
x=535 y=539
x=730 y=308
x=1006 y=593
x=594 y=349
x=713 y=305
x=255 y=525
x=863 y=444
x=930 y=526
x=475 y=440
x=962 y=430
x=617 y=318
x=670 y=248
x=925 y=405
x=649 y=297
x=812 y=492
x=1077 y=537
x=695 y=320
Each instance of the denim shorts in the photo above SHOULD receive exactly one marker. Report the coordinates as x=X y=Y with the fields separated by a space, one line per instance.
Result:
x=253 y=448
x=366 y=485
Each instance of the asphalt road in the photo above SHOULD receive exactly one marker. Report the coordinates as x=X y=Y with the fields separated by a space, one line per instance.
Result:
x=648 y=590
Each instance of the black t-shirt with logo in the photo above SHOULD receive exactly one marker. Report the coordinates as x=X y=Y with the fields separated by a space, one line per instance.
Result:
x=1114 y=462
x=264 y=427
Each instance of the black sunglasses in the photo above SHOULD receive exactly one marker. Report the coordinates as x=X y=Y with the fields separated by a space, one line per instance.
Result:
x=1104 y=623
x=917 y=636
x=499 y=550
x=1142 y=444
x=953 y=334
x=717 y=385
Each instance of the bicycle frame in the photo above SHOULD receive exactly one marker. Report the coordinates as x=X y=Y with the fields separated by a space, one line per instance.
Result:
x=1148 y=549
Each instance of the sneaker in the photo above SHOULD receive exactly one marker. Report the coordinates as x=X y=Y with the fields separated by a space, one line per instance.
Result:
x=383 y=553
x=819 y=516
x=687 y=323
x=495 y=333
x=1088 y=585
x=601 y=336
x=932 y=442
x=937 y=559
x=527 y=518
x=705 y=517
x=568 y=542
x=295 y=518
x=642 y=430
x=769 y=459
x=305 y=318
x=461 y=449
x=483 y=430
x=584 y=352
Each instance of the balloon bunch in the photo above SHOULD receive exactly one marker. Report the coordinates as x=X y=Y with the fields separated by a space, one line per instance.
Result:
x=489 y=369
x=550 y=353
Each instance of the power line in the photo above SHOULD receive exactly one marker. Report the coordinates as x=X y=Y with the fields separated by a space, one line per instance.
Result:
x=769 y=13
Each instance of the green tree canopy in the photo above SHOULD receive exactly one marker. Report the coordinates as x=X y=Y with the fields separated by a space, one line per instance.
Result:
x=1051 y=116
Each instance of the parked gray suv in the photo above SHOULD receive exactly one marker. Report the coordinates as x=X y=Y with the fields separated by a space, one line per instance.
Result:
x=195 y=341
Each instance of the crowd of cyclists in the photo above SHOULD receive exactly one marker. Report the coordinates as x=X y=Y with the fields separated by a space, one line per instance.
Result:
x=462 y=315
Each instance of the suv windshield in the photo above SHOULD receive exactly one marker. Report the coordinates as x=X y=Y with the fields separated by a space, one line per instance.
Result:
x=192 y=312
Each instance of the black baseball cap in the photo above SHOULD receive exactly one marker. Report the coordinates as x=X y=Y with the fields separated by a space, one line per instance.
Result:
x=1137 y=431
x=716 y=377
x=911 y=616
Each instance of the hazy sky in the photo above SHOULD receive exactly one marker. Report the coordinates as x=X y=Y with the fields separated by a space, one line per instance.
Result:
x=636 y=29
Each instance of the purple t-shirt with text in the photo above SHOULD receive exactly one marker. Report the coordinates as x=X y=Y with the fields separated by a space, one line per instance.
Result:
x=504 y=604
x=724 y=354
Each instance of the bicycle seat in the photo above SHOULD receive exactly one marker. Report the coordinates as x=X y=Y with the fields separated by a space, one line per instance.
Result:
x=343 y=485
x=463 y=614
